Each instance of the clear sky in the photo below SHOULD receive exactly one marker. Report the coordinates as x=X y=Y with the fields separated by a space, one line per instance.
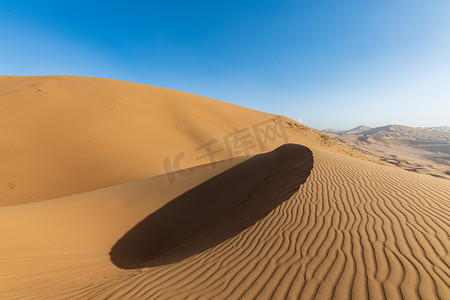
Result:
x=331 y=63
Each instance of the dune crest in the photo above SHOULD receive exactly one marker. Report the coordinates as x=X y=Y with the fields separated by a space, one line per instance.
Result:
x=85 y=134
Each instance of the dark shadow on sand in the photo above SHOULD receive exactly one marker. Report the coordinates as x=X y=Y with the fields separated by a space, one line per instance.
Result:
x=215 y=210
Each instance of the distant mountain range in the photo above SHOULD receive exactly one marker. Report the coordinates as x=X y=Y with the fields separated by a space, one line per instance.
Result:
x=400 y=133
x=419 y=149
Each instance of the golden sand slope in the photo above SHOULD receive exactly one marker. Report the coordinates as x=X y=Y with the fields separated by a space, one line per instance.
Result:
x=295 y=222
x=354 y=229
x=63 y=135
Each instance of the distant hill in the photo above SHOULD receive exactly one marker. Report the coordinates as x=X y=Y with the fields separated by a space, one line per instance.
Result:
x=421 y=149
x=444 y=128
x=358 y=130
x=333 y=130
x=410 y=135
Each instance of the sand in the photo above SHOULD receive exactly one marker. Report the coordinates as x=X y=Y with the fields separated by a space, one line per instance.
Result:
x=300 y=216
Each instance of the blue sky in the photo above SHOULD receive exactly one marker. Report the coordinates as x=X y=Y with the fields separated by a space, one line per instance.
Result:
x=331 y=63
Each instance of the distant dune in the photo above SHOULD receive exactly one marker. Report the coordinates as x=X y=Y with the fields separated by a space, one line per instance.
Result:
x=113 y=189
x=357 y=130
x=420 y=150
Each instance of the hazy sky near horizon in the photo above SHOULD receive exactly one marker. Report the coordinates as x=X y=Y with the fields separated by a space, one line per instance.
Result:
x=335 y=64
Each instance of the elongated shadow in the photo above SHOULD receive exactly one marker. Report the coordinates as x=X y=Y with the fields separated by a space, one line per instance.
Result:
x=215 y=210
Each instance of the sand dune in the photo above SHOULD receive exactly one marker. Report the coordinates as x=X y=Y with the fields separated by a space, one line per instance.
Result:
x=64 y=135
x=310 y=219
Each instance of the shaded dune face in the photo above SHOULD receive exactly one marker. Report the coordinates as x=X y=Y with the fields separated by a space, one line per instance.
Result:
x=215 y=210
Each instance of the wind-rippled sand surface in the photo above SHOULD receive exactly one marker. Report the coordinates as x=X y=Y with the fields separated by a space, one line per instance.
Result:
x=302 y=221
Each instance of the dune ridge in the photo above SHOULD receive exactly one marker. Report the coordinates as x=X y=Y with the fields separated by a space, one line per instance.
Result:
x=84 y=134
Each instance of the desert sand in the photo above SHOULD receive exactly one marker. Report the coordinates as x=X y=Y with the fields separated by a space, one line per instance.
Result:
x=111 y=189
